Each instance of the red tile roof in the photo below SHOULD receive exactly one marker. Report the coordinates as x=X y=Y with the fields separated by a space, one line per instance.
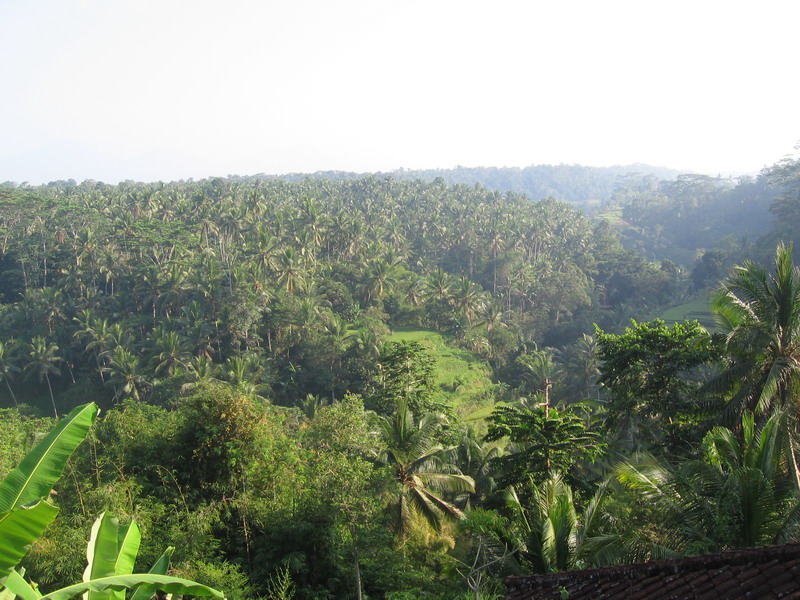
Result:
x=758 y=573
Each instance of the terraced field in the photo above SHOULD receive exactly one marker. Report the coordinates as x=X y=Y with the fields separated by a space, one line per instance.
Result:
x=698 y=309
x=462 y=379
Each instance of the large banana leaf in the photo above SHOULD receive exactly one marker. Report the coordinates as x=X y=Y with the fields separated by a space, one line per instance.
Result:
x=167 y=583
x=160 y=567
x=42 y=467
x=7 y=594
x=17 y=586
x=112 y=550
x=19 y=529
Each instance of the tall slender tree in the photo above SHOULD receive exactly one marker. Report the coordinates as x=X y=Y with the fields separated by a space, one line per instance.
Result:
x=7 y=368
x=44 y=360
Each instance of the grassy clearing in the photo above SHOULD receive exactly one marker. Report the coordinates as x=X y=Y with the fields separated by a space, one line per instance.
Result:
x=613 y=216
x=698 y=309
x=461 y=378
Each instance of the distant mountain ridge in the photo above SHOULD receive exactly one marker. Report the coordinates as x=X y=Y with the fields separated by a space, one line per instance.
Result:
x=585 y=187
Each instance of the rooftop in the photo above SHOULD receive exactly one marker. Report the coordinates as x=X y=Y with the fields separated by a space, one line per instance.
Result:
x=759 y=573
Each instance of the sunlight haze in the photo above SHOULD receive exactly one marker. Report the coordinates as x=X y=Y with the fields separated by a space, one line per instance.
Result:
x=168 y=90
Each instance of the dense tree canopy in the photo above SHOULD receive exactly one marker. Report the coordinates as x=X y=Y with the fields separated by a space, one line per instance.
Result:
x=652 y=373
x=275 y=405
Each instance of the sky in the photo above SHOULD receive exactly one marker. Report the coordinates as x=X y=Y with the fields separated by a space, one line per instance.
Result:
x=151 y=90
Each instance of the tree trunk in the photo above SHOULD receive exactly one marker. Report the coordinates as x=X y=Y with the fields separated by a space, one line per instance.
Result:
x=356 y=565
x=794 y=461
x=52 y=399
x=10 y=391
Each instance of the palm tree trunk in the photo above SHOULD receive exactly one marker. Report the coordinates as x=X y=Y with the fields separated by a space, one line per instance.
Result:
x=794 y=461
x=10 y=391
x=52 y=399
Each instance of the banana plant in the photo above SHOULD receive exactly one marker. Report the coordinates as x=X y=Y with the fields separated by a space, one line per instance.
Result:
x=25 y=512
x=24 y=509
x=110 y=556
x=111 y=551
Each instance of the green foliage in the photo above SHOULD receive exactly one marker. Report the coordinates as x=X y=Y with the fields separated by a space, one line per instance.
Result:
x=786 y=201
x=679 y=218
x=160 y=567
x=542 y=440
x=652 y=372
x=43 y=362
x=482 y=555
x=20 y=528
x=217 y=574
x=552 y=538
x=696 y=309
x=111 y=551
x=405 y=376
x=205 y=315
x=19 y=435
x=412 y=448
x=42 y=466
x=118 y=583
x=344 y=481
x=280 y=586
x=8 y=367
x=741 y=493
x=462 y=379
x=219 y=431
x=537 y=371
x=760 y=314
x=139 y=280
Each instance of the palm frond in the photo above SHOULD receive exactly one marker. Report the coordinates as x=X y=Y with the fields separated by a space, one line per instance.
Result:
x=447 y=482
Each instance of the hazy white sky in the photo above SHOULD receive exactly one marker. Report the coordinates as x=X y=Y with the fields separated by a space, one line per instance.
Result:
x=166 y=89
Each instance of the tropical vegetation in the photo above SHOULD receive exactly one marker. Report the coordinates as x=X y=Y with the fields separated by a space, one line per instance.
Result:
x=380 y=387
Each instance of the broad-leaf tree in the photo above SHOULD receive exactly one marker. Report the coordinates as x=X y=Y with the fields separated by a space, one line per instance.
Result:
x=652 y=372
x=541 y=440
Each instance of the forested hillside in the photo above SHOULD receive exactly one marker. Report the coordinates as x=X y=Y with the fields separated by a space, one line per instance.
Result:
x=286 y=275
x=378 y=388
x=659 y=213
x=587 y=188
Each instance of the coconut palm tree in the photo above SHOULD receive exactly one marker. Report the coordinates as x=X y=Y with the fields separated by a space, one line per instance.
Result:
x=491 y=315
x=474 y=457
x=170 y=352
x=552 y=539
x=44 y=361
x=468 y=299
x=379 y=279
x=583 y=364
x=439 y=287
x=539 y=372
x=126 y=374
x=760 y=312
x=339 y=340
x=246 y=374
x=740 y=494
x=202 y=370
x=95 y=332
x=411 y=447
x=291 y=270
